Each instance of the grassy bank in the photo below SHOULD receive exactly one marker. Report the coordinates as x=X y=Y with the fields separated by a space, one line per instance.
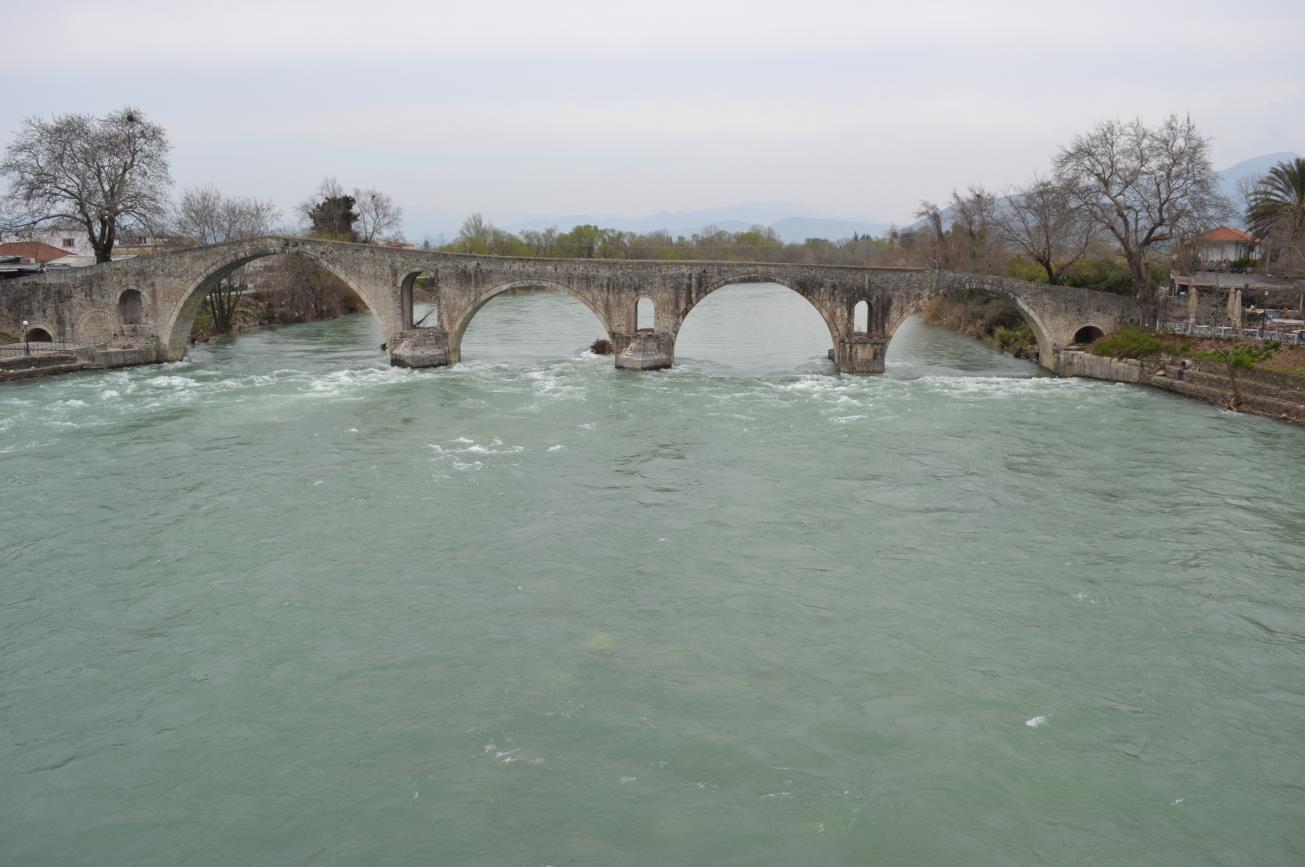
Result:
x=1264 y=379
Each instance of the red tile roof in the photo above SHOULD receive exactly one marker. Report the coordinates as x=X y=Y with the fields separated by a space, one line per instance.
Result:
x=1225 y=234
x=37 y=251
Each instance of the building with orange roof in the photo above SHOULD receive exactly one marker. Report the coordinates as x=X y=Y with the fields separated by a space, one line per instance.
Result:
x=1224 y=245
x=32 y=251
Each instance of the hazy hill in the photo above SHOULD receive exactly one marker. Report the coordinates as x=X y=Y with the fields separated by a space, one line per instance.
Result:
x=791 y=222
x=1252 y=170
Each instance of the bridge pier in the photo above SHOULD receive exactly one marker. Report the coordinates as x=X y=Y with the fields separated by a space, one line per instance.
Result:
x=646 y=350
x=861 y=354
x=420 y=347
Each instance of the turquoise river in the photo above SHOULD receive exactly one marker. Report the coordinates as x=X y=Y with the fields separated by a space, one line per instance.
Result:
x=281 y=604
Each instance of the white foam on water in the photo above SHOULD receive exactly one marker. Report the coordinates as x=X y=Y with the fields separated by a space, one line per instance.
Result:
x=171 y=382
x=556 y=448
x=997 y=386
x=1036 y=722
x=625 y=780
x=354 y=384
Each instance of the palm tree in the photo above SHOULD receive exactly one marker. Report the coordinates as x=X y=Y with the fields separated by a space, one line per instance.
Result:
x=1276 y=207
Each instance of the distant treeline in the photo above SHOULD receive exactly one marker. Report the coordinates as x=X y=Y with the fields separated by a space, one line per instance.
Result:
x=919 y=247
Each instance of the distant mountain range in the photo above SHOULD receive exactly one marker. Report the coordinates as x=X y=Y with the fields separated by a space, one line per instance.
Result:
x=1252 y=170
x=795 y=223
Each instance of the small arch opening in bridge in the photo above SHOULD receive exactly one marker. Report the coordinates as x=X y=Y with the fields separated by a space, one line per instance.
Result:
x=38 y=335
x=1088 y=334
x=529 y=324
x=645 y=318
x=419 y=300
x=861 y=317
x=755 y=328
x=129 y=307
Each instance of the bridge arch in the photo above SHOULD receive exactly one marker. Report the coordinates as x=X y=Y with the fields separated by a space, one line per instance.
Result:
x=130 y=307
x=1089 y=333
x=993 y=288
x=457 y=324
x=38 y=334
x=861 y=317
x=175 y=333
x=745 y=277
x=645 y=313
x=407 y=287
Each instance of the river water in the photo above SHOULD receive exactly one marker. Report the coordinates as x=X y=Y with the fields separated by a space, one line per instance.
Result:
x=281 y=604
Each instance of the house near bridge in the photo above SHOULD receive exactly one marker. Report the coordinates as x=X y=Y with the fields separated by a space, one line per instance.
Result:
x=1220 y=247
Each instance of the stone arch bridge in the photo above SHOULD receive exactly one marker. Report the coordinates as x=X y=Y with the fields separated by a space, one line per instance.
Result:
x=150 y=302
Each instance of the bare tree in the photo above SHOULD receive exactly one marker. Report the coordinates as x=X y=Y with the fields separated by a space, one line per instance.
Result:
x=1145 y=186
x=100 y=174
x=939 y=256
x=378 y=216
x=205 y=216
x=1048 y=224
x=972 y=221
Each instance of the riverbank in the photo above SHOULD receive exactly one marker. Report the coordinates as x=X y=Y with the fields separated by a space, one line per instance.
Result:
x=52 y=360
x=1273 y=393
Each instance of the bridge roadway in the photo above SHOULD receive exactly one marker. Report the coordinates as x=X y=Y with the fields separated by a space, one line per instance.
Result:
x=150 y=302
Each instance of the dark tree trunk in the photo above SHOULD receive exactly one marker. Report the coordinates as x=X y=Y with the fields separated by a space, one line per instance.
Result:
x=1145 y=295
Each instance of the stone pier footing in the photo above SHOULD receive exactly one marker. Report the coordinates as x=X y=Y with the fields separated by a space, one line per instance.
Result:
x=859 y=354
x=421 y=347
x=647 y=350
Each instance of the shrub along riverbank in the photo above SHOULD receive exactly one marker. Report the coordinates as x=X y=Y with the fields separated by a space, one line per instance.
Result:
x=988 y=319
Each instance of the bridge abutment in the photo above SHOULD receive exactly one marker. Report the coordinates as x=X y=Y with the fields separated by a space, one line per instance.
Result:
x=861 y=354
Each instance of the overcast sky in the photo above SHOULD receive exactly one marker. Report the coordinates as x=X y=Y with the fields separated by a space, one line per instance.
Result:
x=528 y=109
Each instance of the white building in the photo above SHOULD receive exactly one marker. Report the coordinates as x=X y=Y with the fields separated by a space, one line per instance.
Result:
x=1223 y=246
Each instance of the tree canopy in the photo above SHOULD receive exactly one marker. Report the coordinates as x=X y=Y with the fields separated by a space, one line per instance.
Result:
x=1275 y=209
x=1146 y=186
x=102 y=175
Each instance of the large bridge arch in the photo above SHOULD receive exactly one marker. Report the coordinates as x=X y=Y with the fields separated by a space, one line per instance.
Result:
x=175 y=331
x=458 y=321
x=1043 y=332
x=759 y=276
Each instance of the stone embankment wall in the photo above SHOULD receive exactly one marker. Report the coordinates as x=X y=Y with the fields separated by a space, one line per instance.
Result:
x=1263 y=392
x=14 y=368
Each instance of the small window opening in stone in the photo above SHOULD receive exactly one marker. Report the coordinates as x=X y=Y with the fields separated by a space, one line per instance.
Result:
x=861 y=317
x=644 y=315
